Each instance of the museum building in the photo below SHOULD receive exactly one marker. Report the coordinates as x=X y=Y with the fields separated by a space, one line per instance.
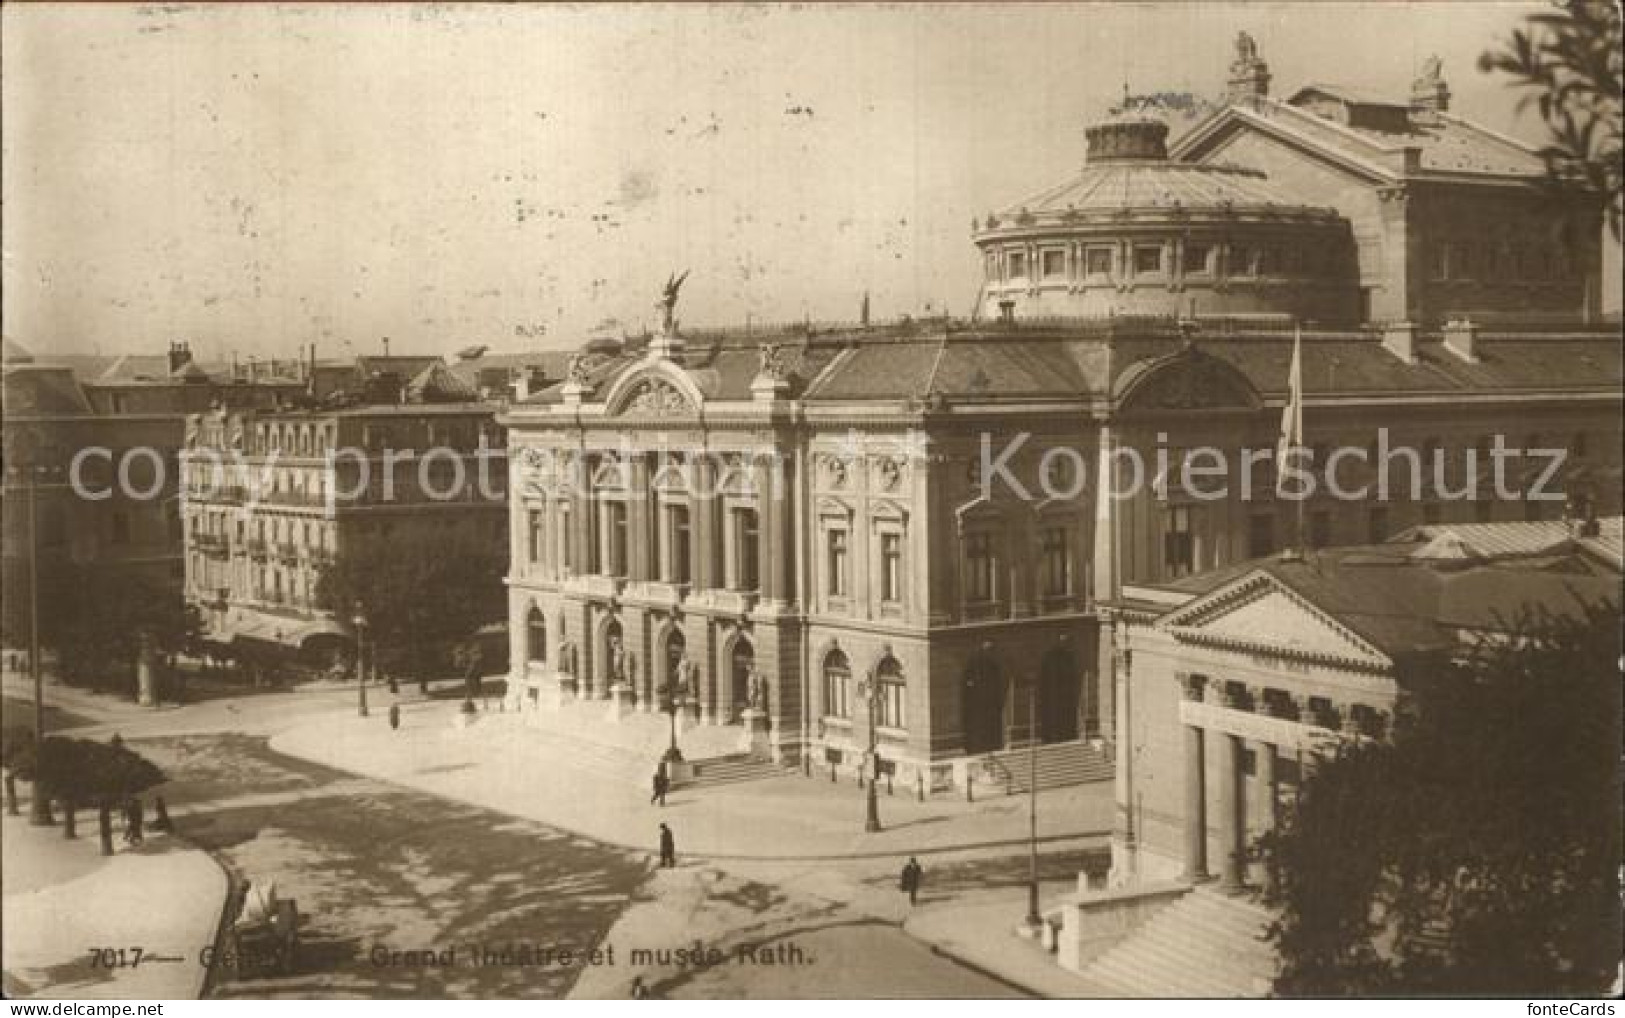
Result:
x=797 y=528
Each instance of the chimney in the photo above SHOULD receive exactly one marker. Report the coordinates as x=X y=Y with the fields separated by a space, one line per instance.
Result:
x=180 y=355
x=1399 y=339
x=386 y=346
x=1461 y=339
x=1249 y=74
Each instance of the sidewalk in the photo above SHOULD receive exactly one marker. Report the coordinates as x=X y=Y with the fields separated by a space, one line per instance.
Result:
x=979 y=930
x=63 y=898
x=502 y=763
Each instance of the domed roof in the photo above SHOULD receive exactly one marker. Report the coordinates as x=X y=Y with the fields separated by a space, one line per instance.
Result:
x=1129 y=172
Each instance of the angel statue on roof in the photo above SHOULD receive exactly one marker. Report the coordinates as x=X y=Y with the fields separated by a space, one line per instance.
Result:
x=668 y=302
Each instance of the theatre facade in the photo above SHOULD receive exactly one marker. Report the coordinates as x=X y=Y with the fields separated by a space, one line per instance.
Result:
x=924 y=522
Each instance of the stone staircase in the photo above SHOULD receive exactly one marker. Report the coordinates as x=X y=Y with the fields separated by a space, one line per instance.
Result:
x=1206 y=944
x=728 y=770
x=1059 y=764
x=632 y=746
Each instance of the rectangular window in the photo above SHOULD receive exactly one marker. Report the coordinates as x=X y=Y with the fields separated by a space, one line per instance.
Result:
x=677 y=544
x=615 y=538
x=837 y=689
x=1054 y=263
x=1178 y=543
x=1057 y=552
x=746 y=543
x=1148 y=259
x=835 y=558
x=891 y=568
x=891 y=710
x=1198 y=259
x=535 y=535
x=1016 y=263
x=1098 y=261
x=1242 y=261
x=981 y=568
x=1260 y=535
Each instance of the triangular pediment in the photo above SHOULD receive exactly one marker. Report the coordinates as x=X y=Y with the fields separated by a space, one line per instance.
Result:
x=1262 y=615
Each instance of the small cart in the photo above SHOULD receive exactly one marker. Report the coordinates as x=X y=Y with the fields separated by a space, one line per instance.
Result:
x=265 y=932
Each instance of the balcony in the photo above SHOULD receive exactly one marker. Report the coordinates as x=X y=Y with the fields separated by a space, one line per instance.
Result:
x=257 y=547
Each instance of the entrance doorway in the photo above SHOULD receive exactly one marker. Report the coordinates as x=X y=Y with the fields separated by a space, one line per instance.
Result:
x=982 y=706
x=1058 y=696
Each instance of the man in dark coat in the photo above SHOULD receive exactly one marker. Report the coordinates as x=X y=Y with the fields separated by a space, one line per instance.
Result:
x=661 y=786
x=910 y=882
x=668 y=848
x=394 y=715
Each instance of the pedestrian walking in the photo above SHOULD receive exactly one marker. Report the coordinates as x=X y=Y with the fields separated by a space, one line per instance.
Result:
x=160 y=816
x=668 y=848
x=132 y=820
x=394 y=716
x=910 y=881
x=662 y=784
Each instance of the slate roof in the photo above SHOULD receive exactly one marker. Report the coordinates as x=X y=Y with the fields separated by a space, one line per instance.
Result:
x=1404 y=605
x=1096 y=358
x=1447 y=144
x=1158 y=184
x=1520 y=537
x=42 y=389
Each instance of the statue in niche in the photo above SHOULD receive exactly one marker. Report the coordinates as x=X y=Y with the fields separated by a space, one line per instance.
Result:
x=684 y=680
x=617 y=661
x=756 y=684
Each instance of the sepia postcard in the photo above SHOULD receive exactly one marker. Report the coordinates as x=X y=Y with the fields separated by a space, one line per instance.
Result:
x=1114 y=501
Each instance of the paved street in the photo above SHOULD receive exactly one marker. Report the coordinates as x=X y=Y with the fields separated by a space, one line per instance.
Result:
x=378 y=868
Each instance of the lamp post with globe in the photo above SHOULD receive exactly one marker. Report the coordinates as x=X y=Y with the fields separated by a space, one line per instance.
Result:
x=870 y=695
x=360 y=622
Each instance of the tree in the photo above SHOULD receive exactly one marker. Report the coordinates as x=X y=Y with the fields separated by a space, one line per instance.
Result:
x=1570 y=61
x=17 y=757
x=84 y=772
x=420 y=600
x=95 y=623
x=1477 y=849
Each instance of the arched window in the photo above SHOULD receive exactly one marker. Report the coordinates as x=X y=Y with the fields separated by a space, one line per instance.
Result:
x=536 y=636
x=837 y=685
x=892 y=709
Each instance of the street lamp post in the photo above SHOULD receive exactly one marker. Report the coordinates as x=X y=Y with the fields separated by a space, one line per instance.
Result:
x=868 y=690
x=39 y=810
x=1034 y=920
x=672 y=703
x=360 y=663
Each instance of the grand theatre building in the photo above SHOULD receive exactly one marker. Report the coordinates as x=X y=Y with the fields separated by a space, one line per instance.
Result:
x=797 y=530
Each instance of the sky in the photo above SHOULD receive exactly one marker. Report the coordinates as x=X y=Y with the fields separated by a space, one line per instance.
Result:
x=253 y=178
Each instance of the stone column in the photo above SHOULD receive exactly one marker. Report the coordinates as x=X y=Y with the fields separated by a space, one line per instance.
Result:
x=1232 y=827
x=780 y=555
x=640 y=545
x=1267 y=811
x=1195 y=791
x=941 y=540
x=766 y=516
x=703 y=507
